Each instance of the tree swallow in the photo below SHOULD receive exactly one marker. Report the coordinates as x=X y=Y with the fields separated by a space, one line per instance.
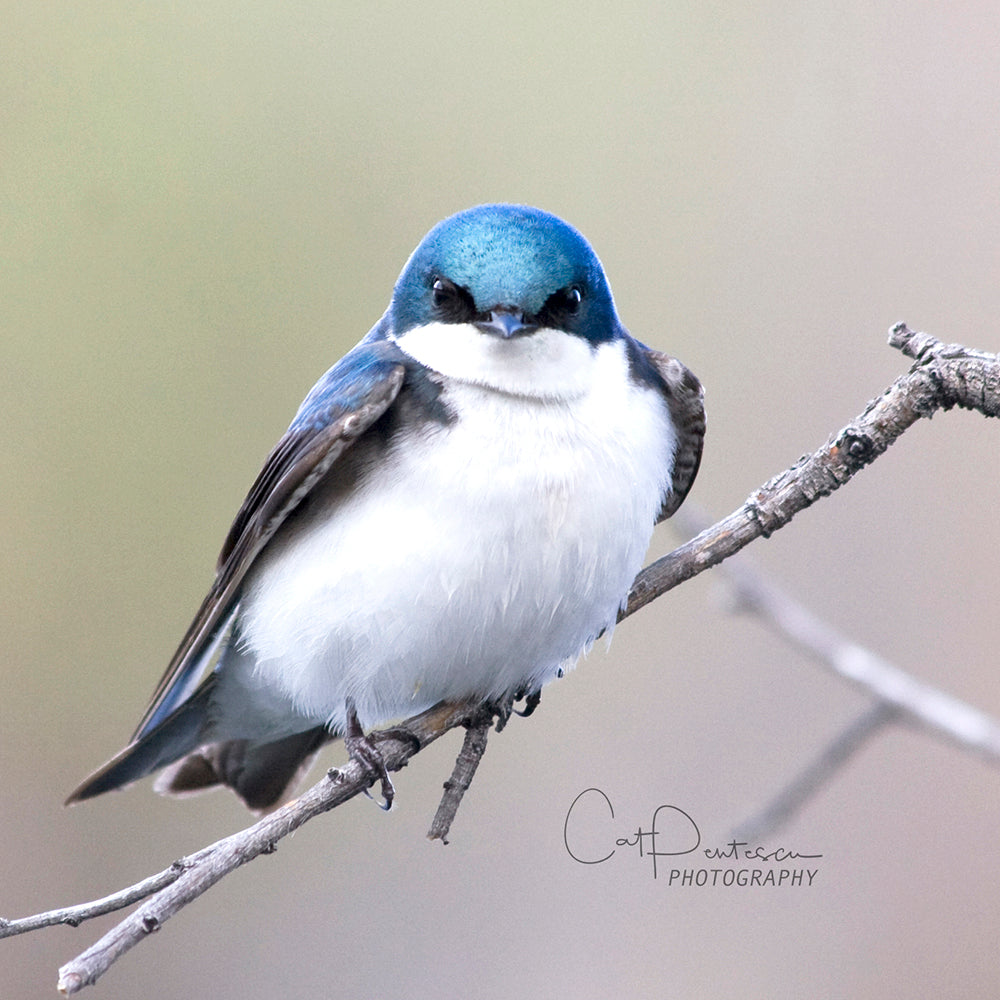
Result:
x=455 y=514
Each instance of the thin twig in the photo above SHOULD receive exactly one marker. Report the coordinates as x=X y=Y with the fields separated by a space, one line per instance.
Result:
x=812 y=778
x=473 y=748
x=73 y=916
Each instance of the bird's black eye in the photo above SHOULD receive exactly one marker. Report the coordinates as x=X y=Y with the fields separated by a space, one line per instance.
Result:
x=452 y=304
x=442 y=291
x=561 y=305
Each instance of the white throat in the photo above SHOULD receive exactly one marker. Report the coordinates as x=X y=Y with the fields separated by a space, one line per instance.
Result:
x=547 y=364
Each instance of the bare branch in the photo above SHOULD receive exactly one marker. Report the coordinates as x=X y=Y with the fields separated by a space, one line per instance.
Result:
x=204 y=869
x=943 y=376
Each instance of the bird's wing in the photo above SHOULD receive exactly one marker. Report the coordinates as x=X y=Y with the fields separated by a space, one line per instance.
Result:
x=344 y=404
x=686 y=401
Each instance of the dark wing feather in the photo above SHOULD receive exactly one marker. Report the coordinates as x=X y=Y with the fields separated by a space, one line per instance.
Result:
x=343 y=405
x=686 y=400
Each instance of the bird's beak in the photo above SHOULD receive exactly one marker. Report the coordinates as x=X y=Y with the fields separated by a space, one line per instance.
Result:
x=506 y=322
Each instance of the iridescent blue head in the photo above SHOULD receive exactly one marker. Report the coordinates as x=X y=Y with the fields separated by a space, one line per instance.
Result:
x=509 y=270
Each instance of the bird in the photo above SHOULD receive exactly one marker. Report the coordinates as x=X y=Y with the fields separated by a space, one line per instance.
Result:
x=455 y=514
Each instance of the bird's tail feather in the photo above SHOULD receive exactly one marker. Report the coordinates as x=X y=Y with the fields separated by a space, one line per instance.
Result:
x=177 y=735
x=261 y=773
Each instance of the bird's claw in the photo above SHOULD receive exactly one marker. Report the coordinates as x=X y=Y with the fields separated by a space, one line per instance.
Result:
x=363 y=749
x=531 y=702
x=504 y=708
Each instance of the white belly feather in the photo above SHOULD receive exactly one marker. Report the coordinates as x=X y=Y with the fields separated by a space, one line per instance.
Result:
x=480 y=556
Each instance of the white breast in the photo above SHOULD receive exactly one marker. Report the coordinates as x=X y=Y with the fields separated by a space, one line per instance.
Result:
x=481 y=555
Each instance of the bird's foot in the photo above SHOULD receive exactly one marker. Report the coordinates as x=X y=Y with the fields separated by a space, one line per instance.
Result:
x=364 y=749
x=504 y=708
x=531 y=702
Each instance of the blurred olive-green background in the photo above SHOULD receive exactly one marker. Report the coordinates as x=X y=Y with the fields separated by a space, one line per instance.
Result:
x=202 y=206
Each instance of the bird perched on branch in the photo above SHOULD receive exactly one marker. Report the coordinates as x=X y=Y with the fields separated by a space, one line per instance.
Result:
x=454 y=515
